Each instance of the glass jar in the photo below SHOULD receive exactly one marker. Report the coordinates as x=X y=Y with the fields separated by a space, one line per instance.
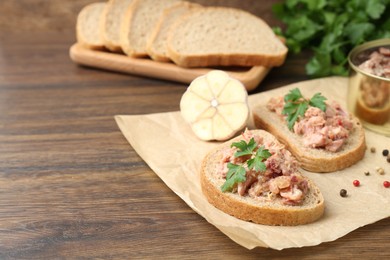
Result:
x=369 y=94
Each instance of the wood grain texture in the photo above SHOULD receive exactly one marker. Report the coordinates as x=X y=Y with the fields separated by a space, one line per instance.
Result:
x=71 y=187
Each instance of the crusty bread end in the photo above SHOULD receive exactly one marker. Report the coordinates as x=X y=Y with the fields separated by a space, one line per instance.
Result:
x=87 y=30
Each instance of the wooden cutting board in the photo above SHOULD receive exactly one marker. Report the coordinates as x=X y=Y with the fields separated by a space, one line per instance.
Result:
x=250 y=77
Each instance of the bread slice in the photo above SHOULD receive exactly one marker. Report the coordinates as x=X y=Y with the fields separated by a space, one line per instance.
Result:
x=222 y=36
x=138 y=24
x=260 y=211
x=87 y=27
x=313 y=159
x=111 y=23
x=156 y=46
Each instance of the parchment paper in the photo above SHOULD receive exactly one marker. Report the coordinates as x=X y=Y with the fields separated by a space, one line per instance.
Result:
x=151 y=135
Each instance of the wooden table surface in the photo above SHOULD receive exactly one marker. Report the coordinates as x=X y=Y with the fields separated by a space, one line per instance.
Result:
x=70 y=184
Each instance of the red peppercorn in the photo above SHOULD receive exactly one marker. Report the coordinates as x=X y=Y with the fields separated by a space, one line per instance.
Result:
x=386 y=184
x=356 y=183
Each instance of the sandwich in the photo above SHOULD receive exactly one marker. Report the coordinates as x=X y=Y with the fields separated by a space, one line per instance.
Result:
x=254 y=178
x=320 y=134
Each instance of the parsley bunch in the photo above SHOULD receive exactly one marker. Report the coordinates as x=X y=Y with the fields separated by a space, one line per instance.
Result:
x=296 y=105
x=237 y=173
x=331 y=29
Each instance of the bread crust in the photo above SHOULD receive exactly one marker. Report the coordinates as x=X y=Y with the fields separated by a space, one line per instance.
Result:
x=209 y=60
x=108 y=42
x=79 y=34
x=320 y=162
x=222 y=59
x=124 y=30
x=250 y=209
x=181 y=7
x=128 y=47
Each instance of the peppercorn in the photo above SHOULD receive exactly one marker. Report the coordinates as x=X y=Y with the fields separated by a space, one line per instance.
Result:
x=373 y=150
x=380 y=170
x=388 y=159
x=385 y=152
x=343 y=193
x=366 y=173
x=386 y=184
x=356 y=183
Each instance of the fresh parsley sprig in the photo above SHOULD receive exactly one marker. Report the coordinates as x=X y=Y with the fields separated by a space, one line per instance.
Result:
x=296 y=105
x=237 y=172
x=331 y=29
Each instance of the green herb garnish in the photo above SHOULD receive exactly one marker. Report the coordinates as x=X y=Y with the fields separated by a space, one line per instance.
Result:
x=296 y=105
x=237 y=172
x=331 y=29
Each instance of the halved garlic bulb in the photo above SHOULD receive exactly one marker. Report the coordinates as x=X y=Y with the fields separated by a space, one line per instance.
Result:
x=215 y=105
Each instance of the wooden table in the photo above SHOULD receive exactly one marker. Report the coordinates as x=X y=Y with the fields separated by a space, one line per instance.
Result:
x=70 y=184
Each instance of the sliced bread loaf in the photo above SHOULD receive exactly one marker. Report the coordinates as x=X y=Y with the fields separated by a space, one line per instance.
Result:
x=313 y=159
x=157 y=44
x=265 y=210
x=111 y=23
x=221 y=36
x=87 y=28
x=138 y=23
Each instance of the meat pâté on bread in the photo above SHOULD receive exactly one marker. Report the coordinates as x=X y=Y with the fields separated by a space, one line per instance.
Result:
x=320 y=134
x=254 y=178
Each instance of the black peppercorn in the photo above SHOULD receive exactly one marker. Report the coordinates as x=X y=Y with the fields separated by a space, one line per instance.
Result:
x=385 y=152
x=343 y=193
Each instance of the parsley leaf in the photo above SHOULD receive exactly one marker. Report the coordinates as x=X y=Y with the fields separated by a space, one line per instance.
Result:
x=296 y=105
x=245 y=148
x=237 y=173
x=319 y=65
x=257 y=162
x=375 y=8
x=318 y=101
x=294 y=95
